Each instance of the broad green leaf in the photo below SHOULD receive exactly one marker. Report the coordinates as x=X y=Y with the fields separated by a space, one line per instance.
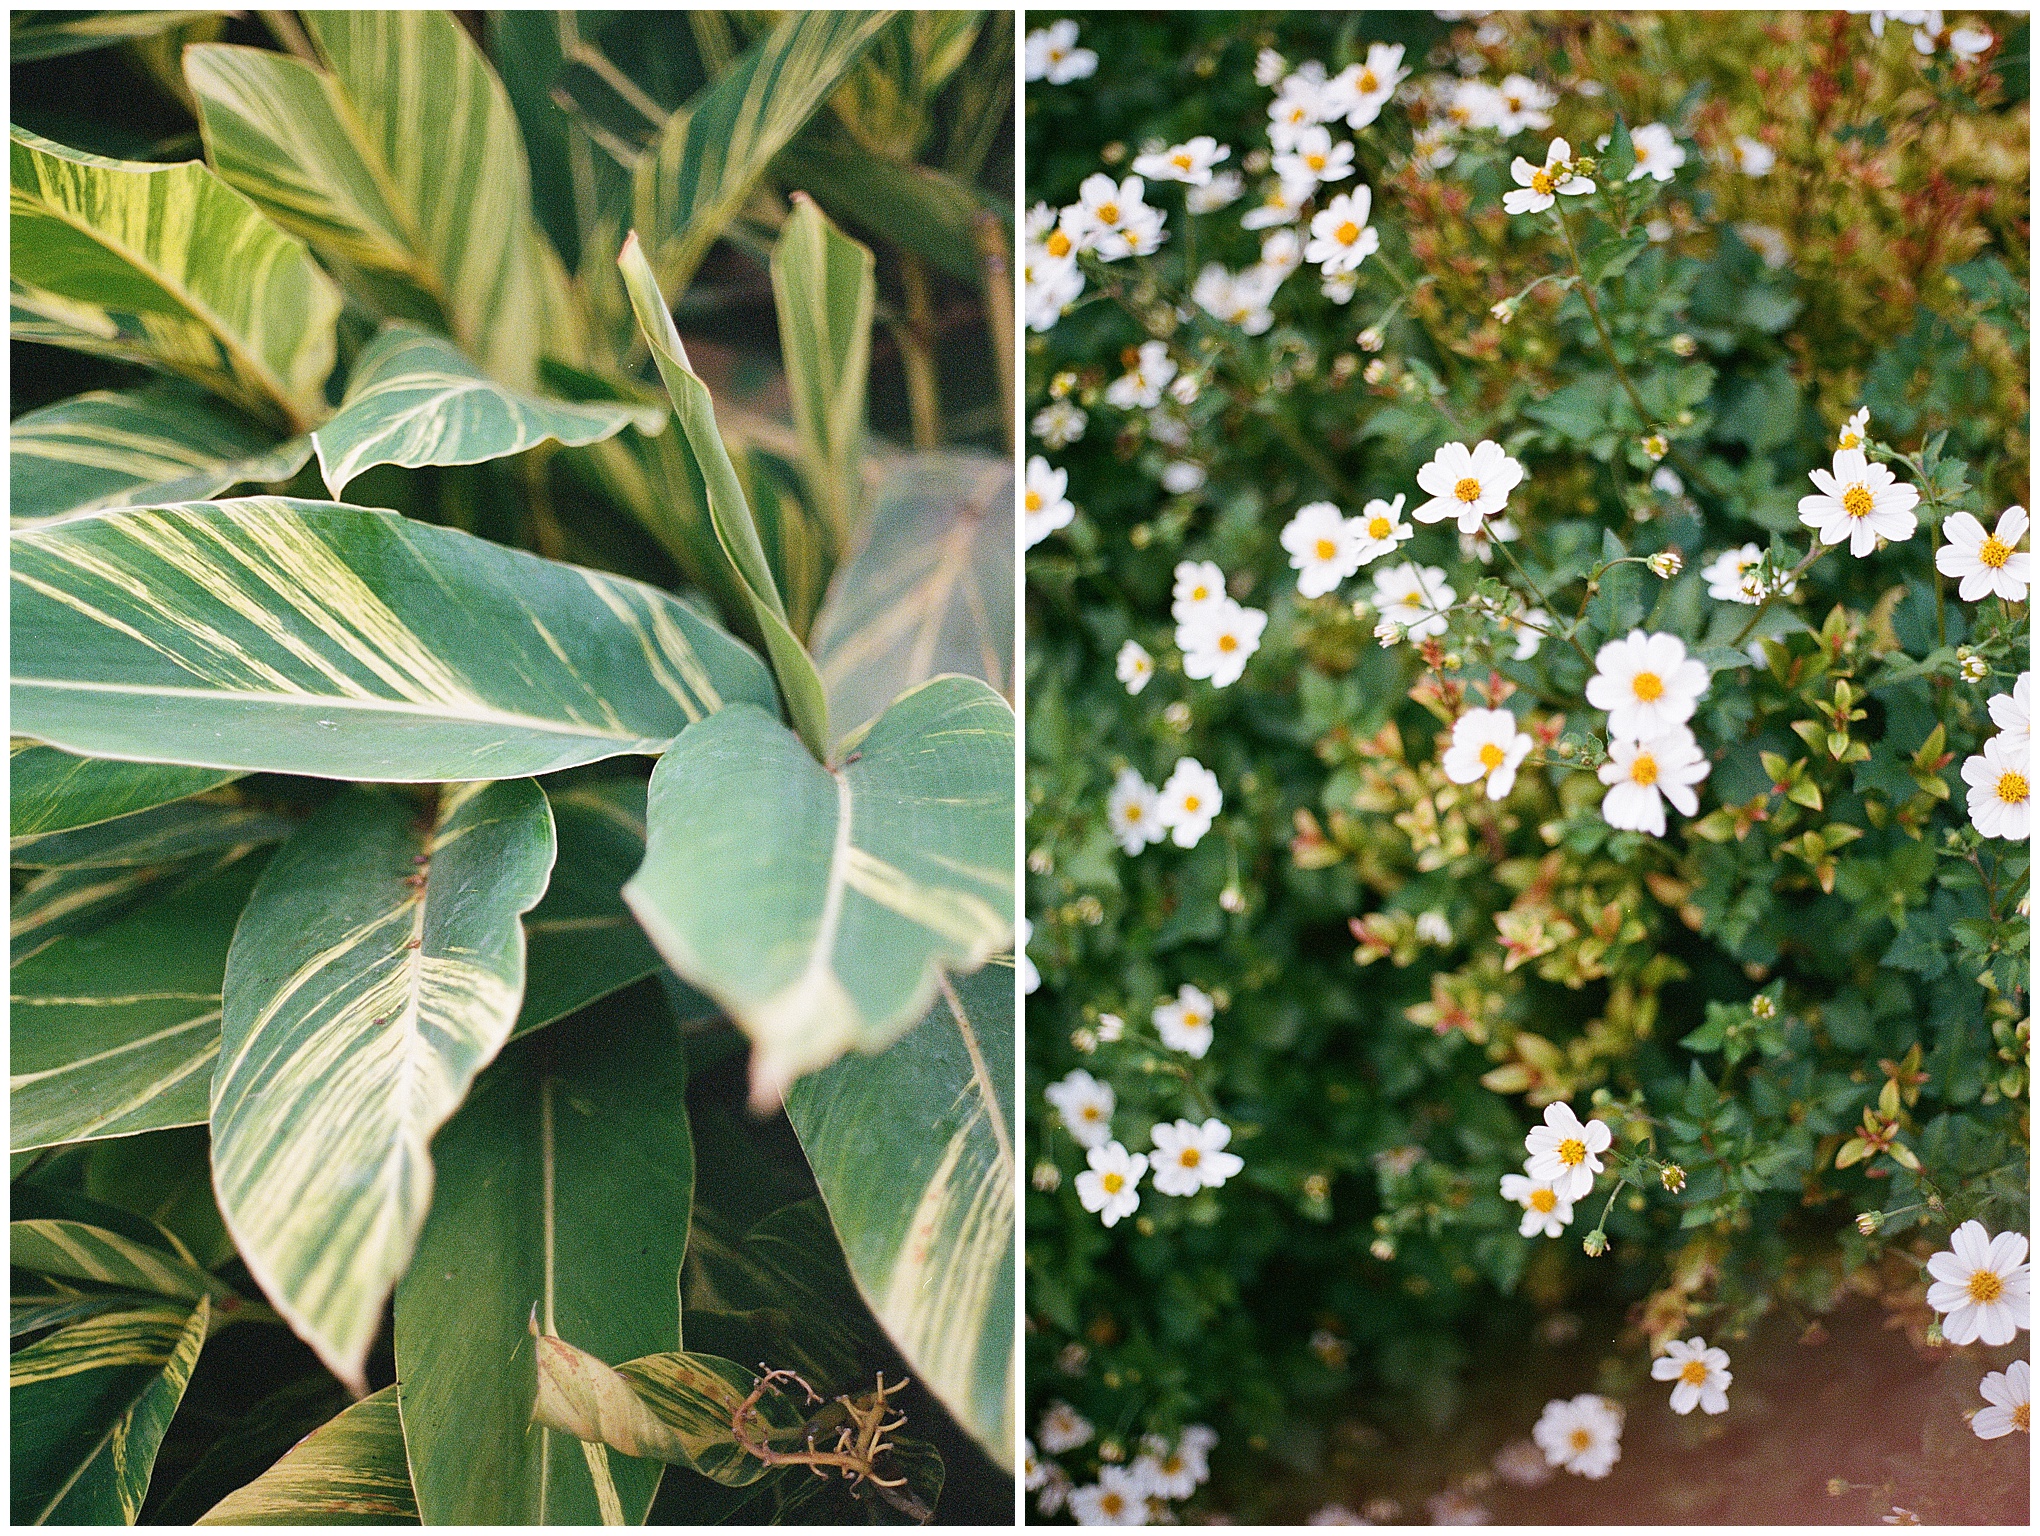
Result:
x=915 y=207
x=564 y=1183
x=178 y=830
x=170 y=266
x=712 y=153
x=728 y=512
x=114 y=448
x=823 y=289
x=930 y=592
x=71 y=903
x=401 y=162
x=116 y=1031
x=166 y=1177
x=581 y=943
x=415 y=399
x=376 y=969
x=32 y=37
x=913 y=1151
x=53 y=791
x=884 y=102
x=249 y=1443
x=76 y=1250
x=41 y=1313
x=311 y=638
x=87 y=1409
x=817 y=905
x=349 y=1471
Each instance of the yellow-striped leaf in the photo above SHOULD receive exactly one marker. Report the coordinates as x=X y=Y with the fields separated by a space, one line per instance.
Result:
x=122 y=448
x=913 y=1151
x=402 y=162
x=415 y=399
x=376 y=969
x=33 y=36
x=87 y=1409
x=818 y=905
x=53 y=791
x=61 y=903
x=178 y=830
x=711 y=154
x=306 y=637
x=76 y=1250
x=349 y=1471
x=823 y=288
x=170 y=266
x=728 y=511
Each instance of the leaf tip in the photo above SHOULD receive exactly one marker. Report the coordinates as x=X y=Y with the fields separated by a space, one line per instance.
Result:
x=630 y=245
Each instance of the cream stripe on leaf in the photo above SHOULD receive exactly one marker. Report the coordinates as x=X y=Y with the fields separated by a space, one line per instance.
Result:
x=818 y=905
x=76 y=1250
x=53 y=791
x=364 y=991
x=565 y=1182
x=913 y=1151
x=307 y=637
x=349 y=1471
x=164 y=442
x=414 y=399
x=168 y=265
x=88 y=1408
x=823 y=289
x=178 y=830
x=116 y=1031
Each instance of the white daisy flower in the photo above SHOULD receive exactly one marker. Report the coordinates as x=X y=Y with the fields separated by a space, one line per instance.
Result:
x=1189 y=1157
x=1324 y=547
x=1725 y=572
x=1486 y=744
x=1133 y=811
x=1045 y=505
x=1658 y=154
x=1190 y=799
x=1474 y=104
x=2000 y=780
x=1269 y=68
x=1644 y=774
x=1339 y=287
x=1055 y=1491
x=1119 y=1497
x=1140 y=387
x=1035 y=1470
x=1059 y=423
x=1110 y=218
x=1480 y=544
x=1280 y=204
x=1062 y=1429
x=1753 y=157
x=2010 y=1395
x=1982 y=1285
x=1470 y=484
x=1217 y=639
x=1855 y=431
x=1191 y=162
x=1702 y=1375
x=1184 y=1021
x=1085 y=1105
x=1299 y=104
x=1134 y=666
x=1529 y=627
x=1431 y=148
x=1360 y=91
x=1340 y=237
x=1539 y=186
x=1414 y=598
x=1861 y=502
x=1281 y=254
x=1522 y=103
x=1240 y=300
x=1053 y=54
x=1223 y=189
x=1051 y=287
x=1583 y=1434
x=1199 y=583
x=1988 y=563
x=1111 y=1185
x=1647 y=684
x=1566 y=1154
x=1381 y=528
x=2012 y=712
x=1315 y=159
x=1174 y=1472
x=1544 y=1209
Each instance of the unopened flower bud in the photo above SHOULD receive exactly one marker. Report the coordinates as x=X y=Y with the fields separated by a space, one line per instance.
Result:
x=1046 y=1177
x=1389 y=633
x=1111 y=1450
x=1177 y=716
x=1673 y=1177
x=1085 y=1041
x=1655 y=446
x=1683 y=345
x=1110 y=1027
x=1375 y=371
x=1868 y=1222
x=1596 y=1243
x=1666 y=564
x=1837 y=1487
x=1232 y=899
x=1370 y=340
x=1761 y=1007
x=1382 y=1248
x=1974 y=668
x=1504 y=311
x=1062 y=384
x=1040 y=861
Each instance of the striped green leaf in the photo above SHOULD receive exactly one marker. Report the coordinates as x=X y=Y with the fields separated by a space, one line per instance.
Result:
x=70 y=903
x=919 y=209
x=76 y=1250
x=711 y=155
x=116 y=1031
x=376 y=969
x=566 y=1181
x=730 y=514
x=349 y=1471
x=823 y=288
x=53 y=791
x=305 y=637
x=402 y=162
x=178 y=830
x=170 y=266
x=581 y=943
x=415 y=399
x=59 y=1309
x=913 y=1151
x=931 y=591
x=123 y=448
x=818 y=905
x=87 y=1409
x=32 y=37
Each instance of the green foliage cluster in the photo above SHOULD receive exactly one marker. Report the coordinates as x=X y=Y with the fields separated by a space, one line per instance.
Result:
x=1803 y=1012
x=378 y=1061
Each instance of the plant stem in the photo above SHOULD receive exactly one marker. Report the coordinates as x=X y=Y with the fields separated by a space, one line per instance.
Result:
x=1770 y=597
x=917 y=355
x=1542 y=601
x=991 y=240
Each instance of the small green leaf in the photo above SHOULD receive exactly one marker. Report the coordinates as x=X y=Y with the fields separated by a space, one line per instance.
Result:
x=349 y=1471
x=53 y=791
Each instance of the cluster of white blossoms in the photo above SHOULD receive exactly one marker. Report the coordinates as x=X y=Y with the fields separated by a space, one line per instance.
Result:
x=1187 y=1157
x=1737 y=576
x=1215 y=634
x=1135 y=1494
x=1326 y=546
x=2000 y=777
x=1181 y=810
x=1650 y=687
x=1111 y=219
x=1983 y=1289
x=1931 y=33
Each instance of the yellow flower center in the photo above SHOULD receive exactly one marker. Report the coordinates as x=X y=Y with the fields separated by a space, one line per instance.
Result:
x=1346 y=233
x=1090 y=1112
x=1580 y=1440
x=1058 y=243
x=1108 y=213
x=1491 y=756
x=2022 y=1418
x=1544 y=1201
x=1191 y=802
x=2012 y=787
x=1541 y=183
x=1034 y=501
x=1181 y=161
x=1985 y=1287
x=1112 y=1183
x=1199 y=593
x=1228 y=643
x=1648 y=687
x=1378 y=527
x=1850 y=440
x=1857 y=502
x=1111 y=1503
x=1326 y=549
x=1368 y=82
x=1173 y=1465
x=1133 y=813
x=1644 y=770
x=1572 y=1151
x=1994 y=552
x=1192 y=1018
x=1467 y=490
x=1189 y=1157
x=1315 y=162
x=1693 y=1372
x=1642 y=152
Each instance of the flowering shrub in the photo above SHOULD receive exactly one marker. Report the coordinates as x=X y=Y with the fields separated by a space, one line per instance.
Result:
x=1528 y=724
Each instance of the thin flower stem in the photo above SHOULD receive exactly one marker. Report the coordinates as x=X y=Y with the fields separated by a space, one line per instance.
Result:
x=1792 y=579
x=1620 y=1185
x=1542 y=601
